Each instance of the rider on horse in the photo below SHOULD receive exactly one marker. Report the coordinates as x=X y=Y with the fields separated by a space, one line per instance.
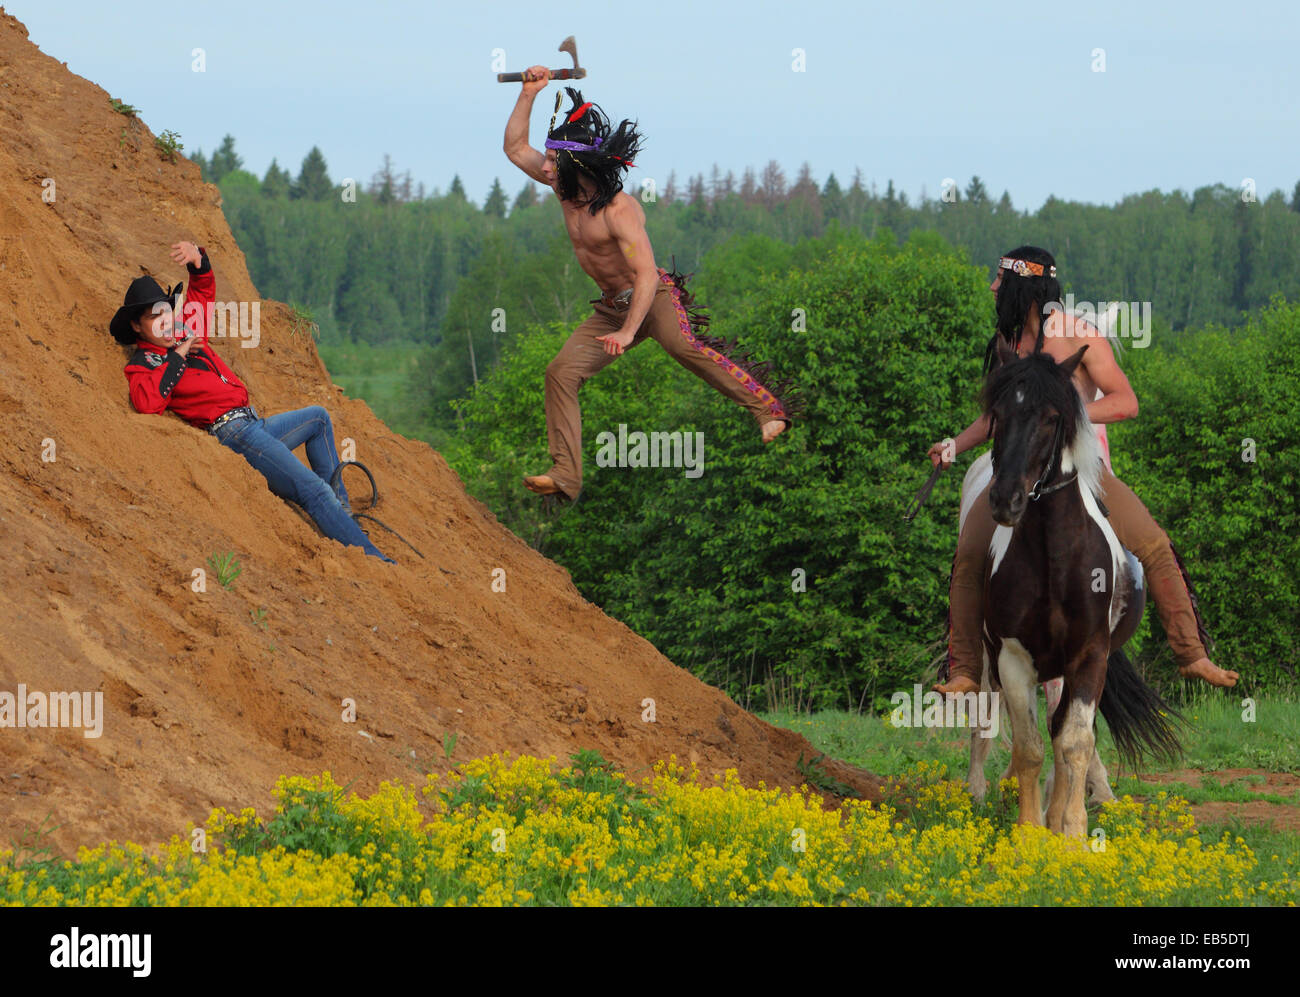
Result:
x=1027 y=296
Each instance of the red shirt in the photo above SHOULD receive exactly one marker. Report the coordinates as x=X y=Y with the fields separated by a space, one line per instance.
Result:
x=199 y=387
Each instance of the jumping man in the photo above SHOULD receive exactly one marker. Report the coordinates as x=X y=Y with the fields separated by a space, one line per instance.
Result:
x=584 y=164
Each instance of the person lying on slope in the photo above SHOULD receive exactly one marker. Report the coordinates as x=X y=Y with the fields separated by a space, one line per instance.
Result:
x=173 y=367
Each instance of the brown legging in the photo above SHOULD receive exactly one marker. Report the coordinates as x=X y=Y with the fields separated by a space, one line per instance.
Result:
x=1136 y=530
x=668 y=324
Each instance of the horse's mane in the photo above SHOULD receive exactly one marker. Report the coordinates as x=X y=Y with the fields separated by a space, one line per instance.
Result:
x=1045 y=385
x=1085 y=452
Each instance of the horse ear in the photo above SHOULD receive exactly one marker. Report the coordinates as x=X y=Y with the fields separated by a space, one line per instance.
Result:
x=1005 y=353
x=1071 y=362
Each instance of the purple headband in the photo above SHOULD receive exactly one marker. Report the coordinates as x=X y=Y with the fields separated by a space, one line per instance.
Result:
x=555 y=143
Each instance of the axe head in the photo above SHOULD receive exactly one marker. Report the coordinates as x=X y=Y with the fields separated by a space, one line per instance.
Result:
x=570 y=46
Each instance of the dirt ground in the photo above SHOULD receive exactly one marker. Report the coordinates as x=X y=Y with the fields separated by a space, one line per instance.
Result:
x=1283 y=816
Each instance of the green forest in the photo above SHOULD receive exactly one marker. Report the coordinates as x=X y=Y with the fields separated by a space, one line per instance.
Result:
x=785 y=574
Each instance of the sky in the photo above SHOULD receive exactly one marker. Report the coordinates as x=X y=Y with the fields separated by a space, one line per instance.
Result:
x=1087 y=102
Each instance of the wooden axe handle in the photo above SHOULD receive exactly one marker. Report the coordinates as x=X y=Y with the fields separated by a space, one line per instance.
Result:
x=556 y=74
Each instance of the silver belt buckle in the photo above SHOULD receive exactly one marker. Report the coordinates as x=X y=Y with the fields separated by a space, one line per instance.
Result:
x=243 y=412
x=621 y=300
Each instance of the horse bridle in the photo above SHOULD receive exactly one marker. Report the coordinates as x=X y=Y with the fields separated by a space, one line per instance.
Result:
x=1058 y=442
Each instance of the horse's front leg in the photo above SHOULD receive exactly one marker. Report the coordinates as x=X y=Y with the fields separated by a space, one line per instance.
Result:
x=1099 y=790
x=980 y=744
x=1074 y=742
x=1020 y=693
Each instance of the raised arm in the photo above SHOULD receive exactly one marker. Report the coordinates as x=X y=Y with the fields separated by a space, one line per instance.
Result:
x=201 y=291
x=517 y=149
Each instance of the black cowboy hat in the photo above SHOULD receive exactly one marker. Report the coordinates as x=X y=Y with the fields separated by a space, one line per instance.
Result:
x=143 y=294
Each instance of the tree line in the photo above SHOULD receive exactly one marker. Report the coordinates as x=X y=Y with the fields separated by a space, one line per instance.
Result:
x=404 y=265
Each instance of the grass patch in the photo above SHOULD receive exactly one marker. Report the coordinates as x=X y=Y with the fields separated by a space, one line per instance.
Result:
x=168 y=145
x=226 y=567
x=1216 y=738
x=1207 y=790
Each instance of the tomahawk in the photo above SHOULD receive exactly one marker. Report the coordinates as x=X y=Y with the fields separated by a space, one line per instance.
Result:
x=576 y=73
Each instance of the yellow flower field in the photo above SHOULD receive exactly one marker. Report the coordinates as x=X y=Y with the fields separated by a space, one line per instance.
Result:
x=522 y=830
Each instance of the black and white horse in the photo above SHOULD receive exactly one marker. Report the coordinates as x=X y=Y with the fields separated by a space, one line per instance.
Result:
x=1060 y=596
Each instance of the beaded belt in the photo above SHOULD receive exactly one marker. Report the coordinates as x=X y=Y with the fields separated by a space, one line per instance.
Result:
x=243 y=412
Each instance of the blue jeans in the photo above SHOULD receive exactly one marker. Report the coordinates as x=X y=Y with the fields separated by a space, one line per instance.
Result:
x=268 y=445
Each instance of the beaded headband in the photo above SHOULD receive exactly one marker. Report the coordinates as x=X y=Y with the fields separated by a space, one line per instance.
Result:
x=1024 y=268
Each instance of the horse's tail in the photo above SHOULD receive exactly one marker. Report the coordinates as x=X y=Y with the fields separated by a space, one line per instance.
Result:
x=1141 y=723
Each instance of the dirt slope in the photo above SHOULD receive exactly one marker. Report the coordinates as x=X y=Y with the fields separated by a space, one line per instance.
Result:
x=203 y=707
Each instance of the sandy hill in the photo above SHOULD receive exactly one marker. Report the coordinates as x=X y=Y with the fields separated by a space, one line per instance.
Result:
x=204 y=706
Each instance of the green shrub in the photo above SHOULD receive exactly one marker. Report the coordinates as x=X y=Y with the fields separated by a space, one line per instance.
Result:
x=1230 y=507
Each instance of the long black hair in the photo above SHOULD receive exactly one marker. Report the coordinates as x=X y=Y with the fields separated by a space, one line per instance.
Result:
x=587 y=124
x=1017 y=295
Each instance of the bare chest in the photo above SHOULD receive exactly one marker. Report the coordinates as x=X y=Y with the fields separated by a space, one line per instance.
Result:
x=587 y=232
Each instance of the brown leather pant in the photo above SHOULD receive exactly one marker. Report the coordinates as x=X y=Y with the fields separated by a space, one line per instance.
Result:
x=1136 y=530
x=668 y=324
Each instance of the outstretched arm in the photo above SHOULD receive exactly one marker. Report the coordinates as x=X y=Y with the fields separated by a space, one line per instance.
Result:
x=518 y=151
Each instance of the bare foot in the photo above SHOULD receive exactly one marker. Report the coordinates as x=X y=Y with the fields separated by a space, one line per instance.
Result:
x=542 y=484
x=773 y=429
x=1207 y=671
x=960 y=684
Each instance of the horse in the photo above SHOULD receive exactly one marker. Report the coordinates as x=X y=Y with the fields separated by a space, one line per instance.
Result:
x=1060 y=598
x=978 y=476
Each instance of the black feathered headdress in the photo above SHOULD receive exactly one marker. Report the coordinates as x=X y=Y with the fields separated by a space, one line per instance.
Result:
x=586 y=145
